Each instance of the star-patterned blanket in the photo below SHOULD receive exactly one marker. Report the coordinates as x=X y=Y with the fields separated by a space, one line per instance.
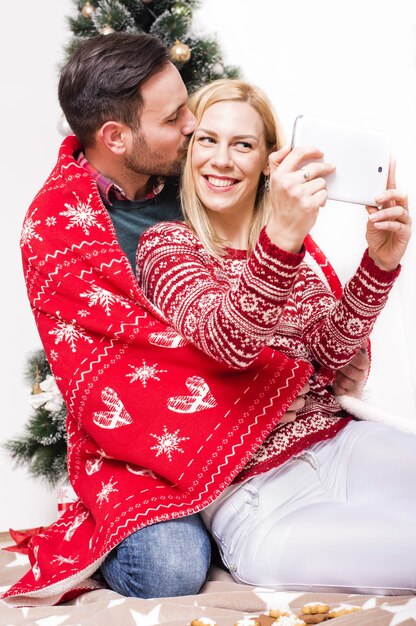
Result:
x=156 y=430
x=221 y=601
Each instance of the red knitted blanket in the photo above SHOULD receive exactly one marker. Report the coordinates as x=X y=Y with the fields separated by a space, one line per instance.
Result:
x=156 y=430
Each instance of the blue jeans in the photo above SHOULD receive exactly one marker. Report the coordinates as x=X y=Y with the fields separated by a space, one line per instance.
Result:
x=166 y=559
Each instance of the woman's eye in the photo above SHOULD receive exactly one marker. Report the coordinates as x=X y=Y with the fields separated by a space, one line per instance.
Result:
x=244 y=145
x=204 y=139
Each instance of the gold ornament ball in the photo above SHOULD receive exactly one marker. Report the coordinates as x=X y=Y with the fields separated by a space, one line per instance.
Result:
x=36 y=389
x=87 y=10
x=181 y=9
x=180 y=52
x=106 y=29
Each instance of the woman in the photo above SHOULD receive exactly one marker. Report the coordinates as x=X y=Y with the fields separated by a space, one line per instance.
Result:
x=232 y=280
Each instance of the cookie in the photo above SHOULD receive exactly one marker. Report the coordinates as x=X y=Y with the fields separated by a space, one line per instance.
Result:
x=265 y=620
x=247 y=621
x=203 y=621
x=312 y=608
x=343 y=610
x=317 y=618
x=280 y=612
x=289 y=620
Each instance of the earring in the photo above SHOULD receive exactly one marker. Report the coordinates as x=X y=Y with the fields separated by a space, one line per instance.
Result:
x=267 y=183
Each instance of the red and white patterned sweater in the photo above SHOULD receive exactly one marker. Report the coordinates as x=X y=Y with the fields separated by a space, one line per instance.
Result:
x=232 y=307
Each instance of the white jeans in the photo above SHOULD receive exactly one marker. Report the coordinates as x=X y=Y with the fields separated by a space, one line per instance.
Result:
x=340 y=518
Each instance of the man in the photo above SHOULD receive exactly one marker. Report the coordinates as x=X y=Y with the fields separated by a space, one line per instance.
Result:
x=141 y=466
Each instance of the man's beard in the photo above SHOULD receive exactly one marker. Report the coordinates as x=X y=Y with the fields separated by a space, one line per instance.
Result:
x=144 y=160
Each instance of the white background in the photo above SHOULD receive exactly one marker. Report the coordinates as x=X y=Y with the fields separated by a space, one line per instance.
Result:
x=350 y=61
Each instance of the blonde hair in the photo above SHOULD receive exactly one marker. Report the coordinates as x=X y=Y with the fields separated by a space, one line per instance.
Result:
x=195 y=215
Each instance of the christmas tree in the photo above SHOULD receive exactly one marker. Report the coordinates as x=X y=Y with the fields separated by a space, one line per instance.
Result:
x=42 y=446
x=198 y=59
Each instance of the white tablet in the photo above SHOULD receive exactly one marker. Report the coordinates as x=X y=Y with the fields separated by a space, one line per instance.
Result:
x=361 y=157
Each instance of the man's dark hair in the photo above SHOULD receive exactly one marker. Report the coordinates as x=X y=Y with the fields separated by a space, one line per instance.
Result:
x=102 y=80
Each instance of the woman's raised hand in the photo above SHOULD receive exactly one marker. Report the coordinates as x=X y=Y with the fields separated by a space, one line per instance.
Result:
x=297 y=192
x=388 y=228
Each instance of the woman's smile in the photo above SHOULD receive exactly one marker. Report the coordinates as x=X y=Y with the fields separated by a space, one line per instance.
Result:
x=220 y=183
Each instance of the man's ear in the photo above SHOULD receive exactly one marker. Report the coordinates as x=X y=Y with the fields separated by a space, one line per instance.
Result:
x=113 y=135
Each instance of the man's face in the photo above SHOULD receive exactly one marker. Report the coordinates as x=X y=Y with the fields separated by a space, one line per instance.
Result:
x=159 y=146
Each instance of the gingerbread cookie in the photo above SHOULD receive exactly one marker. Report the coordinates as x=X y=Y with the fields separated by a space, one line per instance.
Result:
x=203 y=621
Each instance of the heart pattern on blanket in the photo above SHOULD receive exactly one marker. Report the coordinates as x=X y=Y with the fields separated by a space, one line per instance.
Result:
x=140 y=471
x=167 y=339
x=117 y=415
x=93 y=465
x=200 y=399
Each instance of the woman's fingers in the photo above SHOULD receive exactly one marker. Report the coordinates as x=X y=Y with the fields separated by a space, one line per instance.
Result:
x=392 y=196
x=391 y=218
x=310 y=196
x=391 y=179
x=389 y=227
x=290 y=165
x=297 y=404
x=276 y=158
x=312 y=171
x=315 y=185
x=350 y=379
x=287 y=417
x=292 y=160
x=297 y=192
x=299 y=401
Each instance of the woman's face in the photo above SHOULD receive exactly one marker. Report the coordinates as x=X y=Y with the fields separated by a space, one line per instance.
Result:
x=228 y=156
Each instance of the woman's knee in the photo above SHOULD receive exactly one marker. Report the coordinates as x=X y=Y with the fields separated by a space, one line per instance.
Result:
x=166 y=559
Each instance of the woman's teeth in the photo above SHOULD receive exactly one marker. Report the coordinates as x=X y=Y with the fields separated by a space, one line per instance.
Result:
x=220 y=182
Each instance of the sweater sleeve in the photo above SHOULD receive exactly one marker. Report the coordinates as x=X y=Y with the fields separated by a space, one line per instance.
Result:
x=334 y=330
x=229 y=322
